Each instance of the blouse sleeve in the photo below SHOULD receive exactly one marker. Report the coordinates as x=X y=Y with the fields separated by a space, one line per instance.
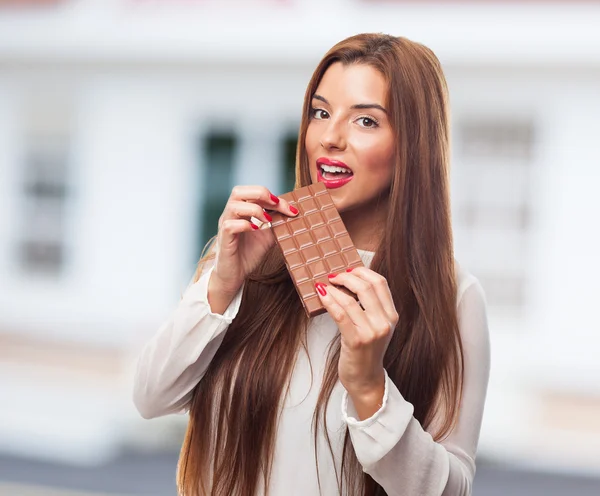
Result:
x=398 y=453
x=175 y=359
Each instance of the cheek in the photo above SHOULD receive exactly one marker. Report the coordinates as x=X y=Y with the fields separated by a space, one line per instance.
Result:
x=311 y=141
x=312 y=147
x=378 y=160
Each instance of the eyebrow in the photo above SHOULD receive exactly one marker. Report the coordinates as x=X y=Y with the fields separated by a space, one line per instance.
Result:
x=360 y=106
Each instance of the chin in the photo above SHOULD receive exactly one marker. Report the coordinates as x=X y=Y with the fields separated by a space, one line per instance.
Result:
x=340 y=205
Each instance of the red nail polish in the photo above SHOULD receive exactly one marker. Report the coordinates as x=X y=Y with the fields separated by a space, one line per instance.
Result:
x=254 y=226
x=331 y=276
x=274 y=199
x=293 y=209
x=349 y=269
x=268 y=217
x=321 y=288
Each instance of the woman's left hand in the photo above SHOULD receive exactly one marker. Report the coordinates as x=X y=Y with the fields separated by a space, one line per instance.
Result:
x=365 y=334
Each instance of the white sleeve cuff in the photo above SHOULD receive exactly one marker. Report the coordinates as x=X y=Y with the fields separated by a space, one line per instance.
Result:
x=349 y=414
x=374 y=437
x=198 y=292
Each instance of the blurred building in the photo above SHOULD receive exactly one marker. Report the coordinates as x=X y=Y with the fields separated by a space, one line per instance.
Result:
x=125 y=123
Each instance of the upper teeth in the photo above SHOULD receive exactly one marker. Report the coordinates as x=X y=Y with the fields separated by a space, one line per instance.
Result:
x=331 y=168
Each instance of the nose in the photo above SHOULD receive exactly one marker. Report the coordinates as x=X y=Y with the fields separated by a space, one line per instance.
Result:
x=334 y=136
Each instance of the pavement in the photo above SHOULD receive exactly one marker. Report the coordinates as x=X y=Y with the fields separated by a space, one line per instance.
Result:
x=136 y=474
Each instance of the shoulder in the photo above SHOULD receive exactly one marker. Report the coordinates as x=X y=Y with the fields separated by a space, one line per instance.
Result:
x=472 y=314
x=467 y=286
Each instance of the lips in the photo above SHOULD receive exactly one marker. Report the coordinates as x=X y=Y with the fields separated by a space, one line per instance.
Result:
x=331 y=162
x=337 y=182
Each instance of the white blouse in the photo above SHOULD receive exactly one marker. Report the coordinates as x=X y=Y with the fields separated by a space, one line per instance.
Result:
x=391 y=446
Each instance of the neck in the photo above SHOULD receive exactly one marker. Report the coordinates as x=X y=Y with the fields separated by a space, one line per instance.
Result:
x=365 y=224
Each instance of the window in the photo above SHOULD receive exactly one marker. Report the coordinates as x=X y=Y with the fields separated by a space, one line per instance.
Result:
x=218 y=163
x=492 y=205
x=290 y=143
x=508 y=140
x=44 y=189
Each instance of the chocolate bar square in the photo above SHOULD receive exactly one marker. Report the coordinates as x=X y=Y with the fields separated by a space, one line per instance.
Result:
x=314 y=244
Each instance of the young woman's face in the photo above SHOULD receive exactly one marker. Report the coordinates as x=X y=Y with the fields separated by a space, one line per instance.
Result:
x=349 y=128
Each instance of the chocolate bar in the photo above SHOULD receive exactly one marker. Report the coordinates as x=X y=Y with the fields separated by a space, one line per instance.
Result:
x=314 y=243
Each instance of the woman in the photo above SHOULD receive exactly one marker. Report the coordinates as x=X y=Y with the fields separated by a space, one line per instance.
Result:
x=380 y=396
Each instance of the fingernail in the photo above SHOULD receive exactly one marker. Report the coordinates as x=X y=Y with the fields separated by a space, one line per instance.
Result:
x=321 y=288
x=268 y=217
x=293 y=209
x=350 y=269
x=331 y=276
x=274 y=199
x=254 y=226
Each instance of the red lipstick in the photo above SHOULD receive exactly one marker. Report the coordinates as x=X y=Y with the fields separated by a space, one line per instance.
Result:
x=331 y=183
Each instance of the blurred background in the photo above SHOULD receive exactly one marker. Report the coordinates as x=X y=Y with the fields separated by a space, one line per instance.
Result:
x=124 y=125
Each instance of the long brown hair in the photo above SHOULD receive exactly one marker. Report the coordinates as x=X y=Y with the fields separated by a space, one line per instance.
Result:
x=228 y=448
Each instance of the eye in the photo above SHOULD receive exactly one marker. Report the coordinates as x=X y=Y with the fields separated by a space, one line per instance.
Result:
x=367 y=122
x=319 y=113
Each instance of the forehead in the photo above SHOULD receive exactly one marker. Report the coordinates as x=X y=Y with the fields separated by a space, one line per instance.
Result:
x=352 y=84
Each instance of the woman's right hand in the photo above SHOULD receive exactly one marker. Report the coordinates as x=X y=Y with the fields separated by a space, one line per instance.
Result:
x=241 y=245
